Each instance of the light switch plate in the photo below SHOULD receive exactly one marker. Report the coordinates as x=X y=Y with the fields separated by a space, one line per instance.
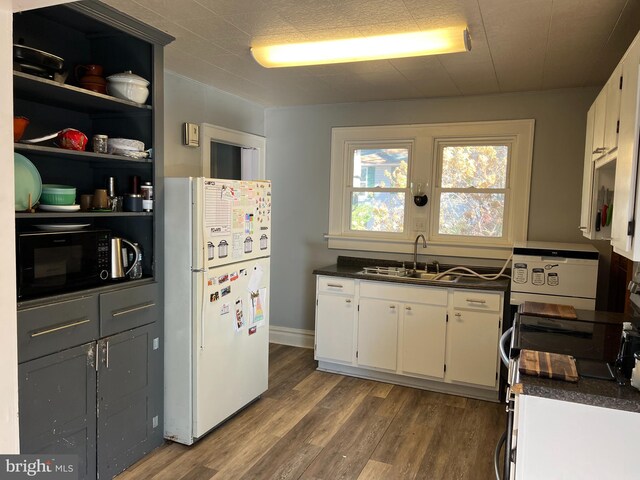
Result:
x=191 y=134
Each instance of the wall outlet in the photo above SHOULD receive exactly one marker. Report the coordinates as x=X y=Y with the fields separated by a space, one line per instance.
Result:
x=420 y=224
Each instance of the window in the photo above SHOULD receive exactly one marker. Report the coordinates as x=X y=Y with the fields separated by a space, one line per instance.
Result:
x=475 y=175
x=472 y=190
x=378 y=189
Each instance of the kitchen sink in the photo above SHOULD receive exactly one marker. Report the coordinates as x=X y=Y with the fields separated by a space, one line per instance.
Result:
x=401 y=272
x=420 y=275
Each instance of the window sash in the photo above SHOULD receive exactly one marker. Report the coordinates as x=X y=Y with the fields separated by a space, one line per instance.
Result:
x=471 y=141
x=349 y=189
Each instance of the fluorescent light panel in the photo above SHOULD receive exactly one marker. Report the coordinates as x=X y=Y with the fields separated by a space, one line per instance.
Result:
x=414 y=44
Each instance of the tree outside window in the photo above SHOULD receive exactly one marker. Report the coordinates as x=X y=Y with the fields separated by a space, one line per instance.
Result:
x=378 y=194
x=473 y=190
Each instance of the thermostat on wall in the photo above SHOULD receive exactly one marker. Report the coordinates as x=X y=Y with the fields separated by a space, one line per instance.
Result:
x=190 y=134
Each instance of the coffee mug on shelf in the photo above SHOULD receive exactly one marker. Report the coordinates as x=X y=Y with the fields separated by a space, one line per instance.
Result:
x=86 y=202
x=100 y=199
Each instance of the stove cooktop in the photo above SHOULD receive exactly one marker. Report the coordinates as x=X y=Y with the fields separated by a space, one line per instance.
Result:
x=594 y=345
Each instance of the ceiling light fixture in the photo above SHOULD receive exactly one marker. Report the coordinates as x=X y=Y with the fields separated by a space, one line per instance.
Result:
x=414 y=44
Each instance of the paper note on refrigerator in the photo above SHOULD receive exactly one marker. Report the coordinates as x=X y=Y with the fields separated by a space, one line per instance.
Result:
x=218 y=203
x=257 y=312
x=255 y=279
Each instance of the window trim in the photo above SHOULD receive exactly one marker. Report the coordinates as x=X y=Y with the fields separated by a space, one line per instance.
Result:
x=422 y=171
x=439 y=145
x=349 y=189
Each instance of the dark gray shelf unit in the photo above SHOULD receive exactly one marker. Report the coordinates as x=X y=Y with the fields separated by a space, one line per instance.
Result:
x=40 y=215
x=69 y=96
x=87 y=32
x=60 y=153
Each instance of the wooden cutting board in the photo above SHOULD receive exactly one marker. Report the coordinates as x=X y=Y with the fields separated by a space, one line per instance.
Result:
x=548 y=365
x=549 y=310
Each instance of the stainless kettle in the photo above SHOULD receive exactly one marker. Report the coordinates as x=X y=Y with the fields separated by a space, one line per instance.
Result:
x=119 y=257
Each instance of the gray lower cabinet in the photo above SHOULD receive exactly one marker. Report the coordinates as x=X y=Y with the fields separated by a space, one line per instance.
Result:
x=94 y=392
x=128 y=413
x=58 y=406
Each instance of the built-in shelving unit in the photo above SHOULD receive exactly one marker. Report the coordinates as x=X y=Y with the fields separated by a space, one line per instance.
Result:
x=107 y=414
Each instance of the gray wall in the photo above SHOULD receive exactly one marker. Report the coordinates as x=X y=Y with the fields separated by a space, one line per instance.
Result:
x=298 y=163
x=187 y=100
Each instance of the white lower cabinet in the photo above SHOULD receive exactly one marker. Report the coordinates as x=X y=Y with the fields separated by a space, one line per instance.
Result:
x=473 y=347
x=378 y=333
x=443 y=339
x=424 y=331
x=336 y=311
x=472 y=337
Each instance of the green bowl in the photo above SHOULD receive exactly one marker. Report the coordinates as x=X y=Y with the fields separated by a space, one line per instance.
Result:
x=58 y=194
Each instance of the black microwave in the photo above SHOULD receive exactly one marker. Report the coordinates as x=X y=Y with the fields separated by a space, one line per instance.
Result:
x=49 y=262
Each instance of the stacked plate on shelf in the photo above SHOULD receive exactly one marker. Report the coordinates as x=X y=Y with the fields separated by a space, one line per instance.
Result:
x=58 y=198
x=27 y=182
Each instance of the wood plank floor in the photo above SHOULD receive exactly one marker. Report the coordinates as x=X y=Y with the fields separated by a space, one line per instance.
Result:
x=317 y=425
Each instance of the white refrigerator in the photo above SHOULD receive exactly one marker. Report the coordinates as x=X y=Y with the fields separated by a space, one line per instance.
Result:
x=217 y=248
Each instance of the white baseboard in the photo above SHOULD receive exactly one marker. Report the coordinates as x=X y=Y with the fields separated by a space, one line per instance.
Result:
x=295 y=337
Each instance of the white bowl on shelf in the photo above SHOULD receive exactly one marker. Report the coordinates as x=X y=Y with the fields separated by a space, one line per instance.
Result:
x=128 y=86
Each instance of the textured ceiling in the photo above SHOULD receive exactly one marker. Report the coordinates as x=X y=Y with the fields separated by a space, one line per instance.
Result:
x=518 y=45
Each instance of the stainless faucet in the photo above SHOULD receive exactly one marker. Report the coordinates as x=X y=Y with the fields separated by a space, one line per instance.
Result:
x=415 y=250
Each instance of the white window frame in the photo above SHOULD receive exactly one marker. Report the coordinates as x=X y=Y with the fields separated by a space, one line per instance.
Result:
x=350 y=189
x=423 y=170
x=439 y=145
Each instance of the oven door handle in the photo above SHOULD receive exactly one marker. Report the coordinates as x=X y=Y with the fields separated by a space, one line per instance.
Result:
x=496 y=454
x=504 y=340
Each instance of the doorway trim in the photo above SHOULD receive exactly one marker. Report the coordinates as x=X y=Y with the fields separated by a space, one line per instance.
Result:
x=213 y=133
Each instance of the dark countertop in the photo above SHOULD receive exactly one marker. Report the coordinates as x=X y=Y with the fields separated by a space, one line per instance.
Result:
x=350 y=267
x=588 y=391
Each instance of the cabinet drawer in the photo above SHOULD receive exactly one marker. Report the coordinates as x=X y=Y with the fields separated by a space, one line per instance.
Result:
x=129 y=308
x=55 y=327
x=336 y=285
x=474 y=300
x=404 y=293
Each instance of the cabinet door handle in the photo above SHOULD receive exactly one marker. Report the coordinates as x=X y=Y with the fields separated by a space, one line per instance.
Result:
x=407 y=307
x=599 y=150
x=348 y=300
x=392 y=307
x=476 y=300
x=59 y=327
x=458 y=315
x=334 y=285
x=131 y=310
x=107 y=354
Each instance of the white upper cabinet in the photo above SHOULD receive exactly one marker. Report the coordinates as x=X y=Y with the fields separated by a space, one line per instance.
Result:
x=586 y=212
x=625 y=233
x=599 y=122
x=610 y=179
x=612 y=112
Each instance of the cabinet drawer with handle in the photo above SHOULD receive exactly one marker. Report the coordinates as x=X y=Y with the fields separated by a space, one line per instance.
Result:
x=336 y=285
x=57 y=326
x=474 y=300
x=128 y=308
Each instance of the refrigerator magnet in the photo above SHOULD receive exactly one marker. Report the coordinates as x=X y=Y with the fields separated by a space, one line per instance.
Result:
x=225 y=291
x=214 y=297
x=239 y=323
x=223 y=278
x=225 y=308
x=234 y=276
x=253 y=330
